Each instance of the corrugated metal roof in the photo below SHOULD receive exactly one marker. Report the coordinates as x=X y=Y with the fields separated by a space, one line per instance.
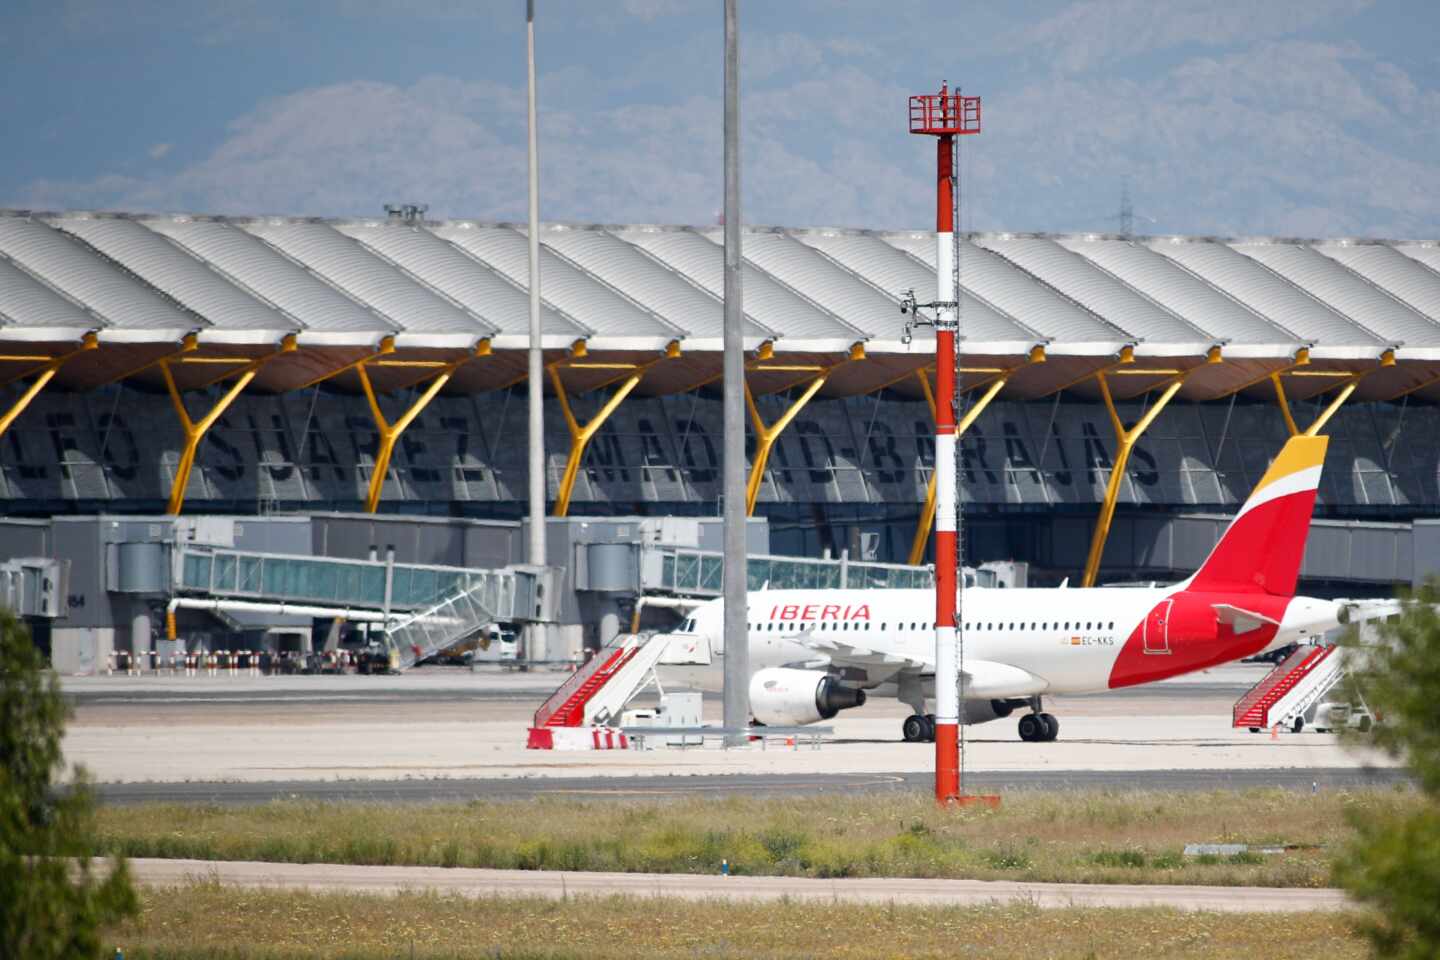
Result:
x=1070 y=327
x=1382 y=264
x=892 y=269
x=1270 y=295
x=189 y=279
x=769 y=303
x=414 y=307
x=278 y=278
x=123 y=300
x=1427 y=253
x=650 y=281
x=26 y=302
x=460 y=276
x=821 y=280
x=1347 y=292
x=153 y=278
x=1159 y=330
x=1184 y=294
x=593 y=303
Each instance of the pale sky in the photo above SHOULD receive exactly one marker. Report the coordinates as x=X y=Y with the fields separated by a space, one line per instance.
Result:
x=1230 y=117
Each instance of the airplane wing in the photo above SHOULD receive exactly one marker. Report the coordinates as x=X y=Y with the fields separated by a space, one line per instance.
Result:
x=984 y=679
x=878 y=666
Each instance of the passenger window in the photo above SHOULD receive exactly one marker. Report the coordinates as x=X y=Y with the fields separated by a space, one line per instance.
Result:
x=1087 y=624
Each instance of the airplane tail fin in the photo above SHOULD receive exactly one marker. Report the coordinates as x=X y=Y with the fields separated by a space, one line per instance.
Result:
x=1260 y=551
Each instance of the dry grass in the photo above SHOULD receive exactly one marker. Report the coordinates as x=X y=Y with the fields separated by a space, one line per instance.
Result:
x=210 y=921
x=1076 y=837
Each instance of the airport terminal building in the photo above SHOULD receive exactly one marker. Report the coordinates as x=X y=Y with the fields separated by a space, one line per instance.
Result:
x=278 y=371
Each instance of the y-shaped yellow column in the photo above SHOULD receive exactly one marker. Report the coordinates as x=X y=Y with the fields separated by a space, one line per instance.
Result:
x=390 y=432
x=765 y=437
x=195 y=431
x=1125 y=440
x=1387 y=359
x=46 y=374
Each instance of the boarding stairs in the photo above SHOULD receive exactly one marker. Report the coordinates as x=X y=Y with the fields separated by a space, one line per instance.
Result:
x=597 y=692
x=452 y=619
x=1286 y=692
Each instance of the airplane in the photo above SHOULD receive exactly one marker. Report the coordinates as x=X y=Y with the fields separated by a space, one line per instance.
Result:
x=814 y=653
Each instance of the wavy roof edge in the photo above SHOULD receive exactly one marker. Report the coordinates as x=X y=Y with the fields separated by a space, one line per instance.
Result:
x=867 y=323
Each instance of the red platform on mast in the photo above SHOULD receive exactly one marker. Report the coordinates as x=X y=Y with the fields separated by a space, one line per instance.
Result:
x=944 y=114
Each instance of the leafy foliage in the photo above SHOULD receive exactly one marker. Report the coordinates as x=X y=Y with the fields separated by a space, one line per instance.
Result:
x=1393 y=862
x=53 y=904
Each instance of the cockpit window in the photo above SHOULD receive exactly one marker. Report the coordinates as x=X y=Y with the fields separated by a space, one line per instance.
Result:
x=688 y=626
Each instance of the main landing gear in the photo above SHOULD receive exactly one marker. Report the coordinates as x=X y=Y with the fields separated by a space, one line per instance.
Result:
x=919 y=729
x=1038 y=727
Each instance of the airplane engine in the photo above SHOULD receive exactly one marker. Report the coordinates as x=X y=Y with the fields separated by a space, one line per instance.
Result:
x=983 y=711
x=781 y=696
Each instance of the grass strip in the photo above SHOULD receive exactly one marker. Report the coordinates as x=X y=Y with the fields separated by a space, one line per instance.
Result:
x=205 y=919
x=1071 y=837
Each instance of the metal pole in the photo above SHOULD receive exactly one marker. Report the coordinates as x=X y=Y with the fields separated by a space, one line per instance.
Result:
x=947 y=667
x=535 y=381
x=737 y=643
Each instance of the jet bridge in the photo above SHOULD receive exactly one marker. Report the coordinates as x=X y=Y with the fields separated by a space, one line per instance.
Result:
x=425 y=609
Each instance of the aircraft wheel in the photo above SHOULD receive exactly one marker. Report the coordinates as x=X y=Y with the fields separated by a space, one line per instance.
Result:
x=929 y=728
x=1032 y=728
x=913 y=729
x=1254 y=729
x=1298 y=725
x=1052 y=727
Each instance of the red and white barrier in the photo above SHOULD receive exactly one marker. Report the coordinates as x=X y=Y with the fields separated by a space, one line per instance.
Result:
x=576 y=738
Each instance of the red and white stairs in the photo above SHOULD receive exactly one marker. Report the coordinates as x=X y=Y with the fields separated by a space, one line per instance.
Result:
x=573 y=717
x=1290 y=689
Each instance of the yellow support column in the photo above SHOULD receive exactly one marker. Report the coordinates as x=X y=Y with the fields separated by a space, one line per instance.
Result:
x=390 y=432
x=580 y=436
x=46 y=374
x=765 y=437
x=1126 y=441
x=1352 y=381
x=195 y=431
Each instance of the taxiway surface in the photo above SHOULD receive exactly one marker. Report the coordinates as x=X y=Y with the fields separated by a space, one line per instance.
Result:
x=561 y=885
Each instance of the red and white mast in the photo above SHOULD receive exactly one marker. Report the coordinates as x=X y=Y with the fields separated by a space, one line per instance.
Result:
x=945 y=116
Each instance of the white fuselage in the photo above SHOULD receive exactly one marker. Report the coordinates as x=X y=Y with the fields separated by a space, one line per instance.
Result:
x=1068 y=638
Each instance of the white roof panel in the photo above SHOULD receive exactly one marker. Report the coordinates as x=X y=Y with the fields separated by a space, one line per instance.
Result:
x=769 y=303
x=455 y=273
x=646 y=279
x=1384 y=265
x=278 y=278
x=414 y=307
x=892 y=269
x=25 y=301
x=191 y=280
x=66 y=264
x=566 y=286
x=996 y=280
x=1270 y=295
x=1426 y=253
x=821 y=280
x=1099 y=292
x=1346 y=291
x=1180 y=292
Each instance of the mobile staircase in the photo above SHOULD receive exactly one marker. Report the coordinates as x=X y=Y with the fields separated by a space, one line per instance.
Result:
x=1285 y=693
x=573 y=717
x=452 y=619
